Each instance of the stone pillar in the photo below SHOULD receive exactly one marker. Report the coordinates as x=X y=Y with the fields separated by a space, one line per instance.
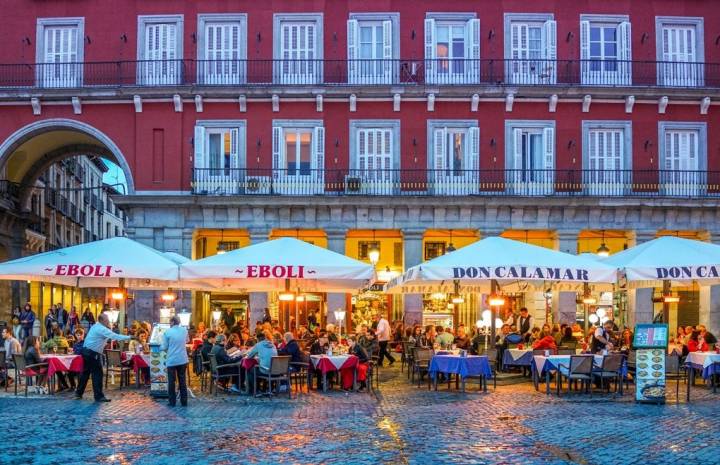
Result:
x=412 y=255
x=258 y=300
x=565 y=304
x=710 y=308
x=337 y=300
x=640 y=306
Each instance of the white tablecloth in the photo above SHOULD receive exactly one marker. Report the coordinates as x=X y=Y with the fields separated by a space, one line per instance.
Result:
x=66 y=360
x=336 y=360
x=517 y=354
x=704 y=359
x=554 y=360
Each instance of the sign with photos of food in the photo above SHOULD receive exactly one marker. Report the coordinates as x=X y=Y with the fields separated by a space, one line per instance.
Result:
x=648 y=336
x=650 y=341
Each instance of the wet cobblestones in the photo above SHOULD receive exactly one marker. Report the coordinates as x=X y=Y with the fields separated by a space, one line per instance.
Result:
x=402 y=425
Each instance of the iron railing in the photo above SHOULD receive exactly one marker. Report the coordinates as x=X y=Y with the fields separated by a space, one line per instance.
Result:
x=530 y=72
x=523 y=183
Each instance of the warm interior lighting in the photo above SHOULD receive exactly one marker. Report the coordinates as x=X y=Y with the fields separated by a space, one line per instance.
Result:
x=671 y=299
x=374 y=255
x=593 y=318
x=438 y=296
x=216 y=315
x=286 y=296
x=339 y=315
x=589 y=300
x=184 y=317
x=221 y=245
x=300 y=298
x=496 y=301
x=167 y=297
x=603 y=250
x=117 y=295
x=113 y=316
x=457 y=299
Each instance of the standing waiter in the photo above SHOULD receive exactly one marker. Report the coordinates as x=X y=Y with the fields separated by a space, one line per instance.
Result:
x=92 y=352
x=174 y=340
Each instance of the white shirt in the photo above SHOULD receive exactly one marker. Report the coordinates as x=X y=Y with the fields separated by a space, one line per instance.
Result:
x=174 y=340
x=383 y=330
x=98 y=336
x=12 y=346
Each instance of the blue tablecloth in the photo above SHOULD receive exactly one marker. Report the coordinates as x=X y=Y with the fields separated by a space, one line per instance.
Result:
x=515 y=357
x=472 y=365
x=542 y=364
x=705 y=361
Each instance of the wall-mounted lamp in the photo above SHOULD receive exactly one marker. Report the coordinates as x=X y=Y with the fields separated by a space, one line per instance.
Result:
x=571 y=143
x=259 y=142
x=491 y=34
x=644 y=37
x=334 y=36
x=493 y=142
x=87 y=39
x=259 y=37
x=414 y=142
x=194 y=38
x=124 y=38
x=648 y=143
x=27 y=40
x=569 y=36
x=412 y=34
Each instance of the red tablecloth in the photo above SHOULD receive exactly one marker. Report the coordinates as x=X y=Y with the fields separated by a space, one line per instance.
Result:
x=136 y=360
x=248 y=363
x=63 y=363
x=325 y=364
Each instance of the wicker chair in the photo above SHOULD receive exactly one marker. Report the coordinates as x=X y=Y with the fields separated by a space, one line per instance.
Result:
x=279 y=371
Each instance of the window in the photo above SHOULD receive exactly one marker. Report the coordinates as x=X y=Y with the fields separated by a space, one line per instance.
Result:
x=373 y=46
x=607 y=157
x=298 y=48
x=454 y=157
x=452 y=48
x=530 y=157
x=683 y=158
x=60 y=52
x=365 y=246
x=605 y=50
x=434 y=250
x=530 y=48
x=219 y=156
x=222 y=49
x=298 y=156
x=375 y=155
x=681 y=51
x=160 y=50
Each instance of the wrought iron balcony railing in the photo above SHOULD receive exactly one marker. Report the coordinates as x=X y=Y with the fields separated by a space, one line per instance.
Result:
x=523 y=72
x=503 y=183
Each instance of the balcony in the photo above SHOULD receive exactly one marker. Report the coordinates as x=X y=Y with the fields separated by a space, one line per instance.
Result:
x=405 y=72
x=439 y=183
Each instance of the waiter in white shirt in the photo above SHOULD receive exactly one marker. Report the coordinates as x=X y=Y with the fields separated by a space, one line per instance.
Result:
x=525 y=323
x=92 y=351
x=174 y=340
x=383 y=334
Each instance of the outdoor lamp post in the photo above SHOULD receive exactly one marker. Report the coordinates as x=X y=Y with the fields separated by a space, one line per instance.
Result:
x=184 y=316
x=216 y=317
x=340 y=316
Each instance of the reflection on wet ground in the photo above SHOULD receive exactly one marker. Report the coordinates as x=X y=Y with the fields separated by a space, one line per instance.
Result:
x=403 y=424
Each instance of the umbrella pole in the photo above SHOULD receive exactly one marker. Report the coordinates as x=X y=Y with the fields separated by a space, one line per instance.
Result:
x=493 y=291
x=666 y=305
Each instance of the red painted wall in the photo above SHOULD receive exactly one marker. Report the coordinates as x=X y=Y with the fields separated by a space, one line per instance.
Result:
x=106 y=21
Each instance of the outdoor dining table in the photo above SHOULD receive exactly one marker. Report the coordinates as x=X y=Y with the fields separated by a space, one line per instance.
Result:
x=517 y=357
x=470 y=365
x=138 y=362
x=63 y=363
x=329 y=363
x=707 y=362
x=542 y=364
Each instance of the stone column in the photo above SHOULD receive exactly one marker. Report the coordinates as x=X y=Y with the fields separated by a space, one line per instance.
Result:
x=412 y=255
x=258 y=300
x=337 y=300
x=565 y=303
x=640 y=306
x=710 y=308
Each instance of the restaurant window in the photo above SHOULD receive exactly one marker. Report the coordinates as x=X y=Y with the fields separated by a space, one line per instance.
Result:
x=398 y=254
x=434 y=250
x=365 y=246
x=228 y=246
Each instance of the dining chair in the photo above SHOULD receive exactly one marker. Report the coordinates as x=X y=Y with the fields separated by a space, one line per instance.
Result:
x=115 y=365
x=579 y=369
x=675 y=371
x=28 y=372
x=279 y=371
x=216 y=376
x=611 y=369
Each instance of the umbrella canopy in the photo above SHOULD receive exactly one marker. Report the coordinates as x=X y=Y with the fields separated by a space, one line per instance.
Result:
x=504 y=260
x=101 y=263
x=266 y=267
x=680 y=261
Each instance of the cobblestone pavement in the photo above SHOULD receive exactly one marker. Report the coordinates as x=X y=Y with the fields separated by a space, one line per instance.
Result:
x=402 y=425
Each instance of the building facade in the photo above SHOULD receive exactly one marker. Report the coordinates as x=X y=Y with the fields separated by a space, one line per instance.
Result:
x=408 y=126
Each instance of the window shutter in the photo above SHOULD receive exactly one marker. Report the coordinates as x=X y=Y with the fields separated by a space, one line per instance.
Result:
x=278 y=148
x=199 y=142
x=429 y=47
x=550 y=49
x=625 y=51
x=517 y=149
x=352 y=38
x=584 y=49
x=549 y=144
x=234 y=149
x=361 y=148
x=472 y=32
x=387 y=40
x=439 y=139
x=474 y=152
x=319 y=144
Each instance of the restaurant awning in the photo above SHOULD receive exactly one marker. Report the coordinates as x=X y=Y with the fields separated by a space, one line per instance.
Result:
x=510 y=263
x=281 y=264
x=668 y=258
x=105 y=263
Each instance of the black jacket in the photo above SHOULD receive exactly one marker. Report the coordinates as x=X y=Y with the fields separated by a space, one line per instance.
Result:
x=360 y=353
x=292 y=349
x=205 y=350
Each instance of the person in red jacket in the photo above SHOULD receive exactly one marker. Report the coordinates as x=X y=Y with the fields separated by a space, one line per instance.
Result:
x=546 y=342
x=695 y=344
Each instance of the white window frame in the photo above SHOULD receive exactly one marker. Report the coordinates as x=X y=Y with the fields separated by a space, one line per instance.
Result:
x=149 y=73
x=294 y=184
x=445 y=181
x=223 y=180
x=622 y=76
x=361 y=181
x=361 y=71
x=471 y=63
x=671 y=74
x=46 y=74
x=607 y=182
x=229 y=73
x=529 y=71
x=683 y=183
x=313 y=71
x=516 y=180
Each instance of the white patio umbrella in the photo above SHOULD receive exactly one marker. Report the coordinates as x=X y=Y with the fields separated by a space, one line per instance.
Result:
x=668 y=258
x=105 y=263
x=508 y=262
x=281 y=264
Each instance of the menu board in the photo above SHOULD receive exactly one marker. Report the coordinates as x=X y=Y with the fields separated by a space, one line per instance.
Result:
x=158 y=358
x=650 y=341
x=650 y=336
